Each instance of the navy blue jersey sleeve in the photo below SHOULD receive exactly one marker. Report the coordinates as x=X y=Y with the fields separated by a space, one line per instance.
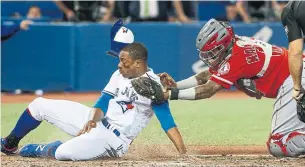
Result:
x=103 y=102
x=8 y=29
x=164 y=115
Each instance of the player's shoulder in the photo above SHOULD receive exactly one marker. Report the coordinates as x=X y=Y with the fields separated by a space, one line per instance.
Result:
x=150 y=73
x=242 y=41
x=116 y=73
x=116 y=76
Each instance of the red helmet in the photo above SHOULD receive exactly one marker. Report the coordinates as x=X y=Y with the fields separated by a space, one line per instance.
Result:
x=214 y=42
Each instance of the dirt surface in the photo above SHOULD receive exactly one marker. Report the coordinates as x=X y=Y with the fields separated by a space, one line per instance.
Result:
x=157 y=155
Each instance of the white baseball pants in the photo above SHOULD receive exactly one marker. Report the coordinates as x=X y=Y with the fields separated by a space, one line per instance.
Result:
x=71 y=117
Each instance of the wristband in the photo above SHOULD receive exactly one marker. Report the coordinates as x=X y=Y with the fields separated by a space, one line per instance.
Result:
x=174 y=92
x=187 y=83
x=187 y=94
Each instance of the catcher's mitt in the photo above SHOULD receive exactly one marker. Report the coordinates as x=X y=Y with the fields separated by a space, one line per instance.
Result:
x=248 y=86
x=149 y=88
x=301 y=108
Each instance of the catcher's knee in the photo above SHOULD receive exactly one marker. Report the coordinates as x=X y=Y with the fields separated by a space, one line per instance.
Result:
x=293 y=147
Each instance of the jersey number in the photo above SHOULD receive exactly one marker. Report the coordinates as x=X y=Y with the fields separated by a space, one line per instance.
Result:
x=252 y=59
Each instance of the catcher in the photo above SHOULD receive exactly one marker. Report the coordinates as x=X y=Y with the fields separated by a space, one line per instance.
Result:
x=255 y=67
x=116 y=119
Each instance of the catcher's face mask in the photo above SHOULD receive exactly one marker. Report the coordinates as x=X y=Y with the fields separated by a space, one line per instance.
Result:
x=211 y=57
x=214 y=42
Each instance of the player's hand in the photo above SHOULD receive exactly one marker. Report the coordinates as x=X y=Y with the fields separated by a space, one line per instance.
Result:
x=166 y=94
x=88 y=126
x=184 y=19
x=107 y=18
x=24 y=25
x=167 y=81
x=298 y=93
x=70 y=14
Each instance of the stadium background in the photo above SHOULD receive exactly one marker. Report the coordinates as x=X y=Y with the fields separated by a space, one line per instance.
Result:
x=70 y=57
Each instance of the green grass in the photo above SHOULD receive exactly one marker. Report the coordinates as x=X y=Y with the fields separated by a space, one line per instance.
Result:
x=205 y=122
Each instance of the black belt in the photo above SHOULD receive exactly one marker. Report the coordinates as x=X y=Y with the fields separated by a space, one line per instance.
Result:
x=107 y=125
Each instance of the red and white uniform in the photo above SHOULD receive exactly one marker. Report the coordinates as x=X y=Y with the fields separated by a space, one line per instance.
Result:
x=250 y=58
x=269 y=65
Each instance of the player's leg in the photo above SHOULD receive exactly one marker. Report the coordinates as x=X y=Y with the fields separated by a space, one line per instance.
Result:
x=288 y=132
x=67 y=115
x=98 y=143
x=25 y=124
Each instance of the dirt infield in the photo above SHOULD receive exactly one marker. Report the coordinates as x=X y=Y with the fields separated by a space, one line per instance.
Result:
x=162 y=156
x=158 y=155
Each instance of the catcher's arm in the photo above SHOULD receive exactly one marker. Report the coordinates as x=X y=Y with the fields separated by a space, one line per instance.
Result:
x=203 y=91
x=198 y=79
x=167 y=122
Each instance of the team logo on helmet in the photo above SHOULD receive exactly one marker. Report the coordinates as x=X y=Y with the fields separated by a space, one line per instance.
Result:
x=124 y=30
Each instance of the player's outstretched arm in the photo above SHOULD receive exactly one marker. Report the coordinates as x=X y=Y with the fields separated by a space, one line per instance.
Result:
x=97 y=113
x=203 y=77
x=174 y=135
x=198 y=79
x=199 y=92
x=167 y=122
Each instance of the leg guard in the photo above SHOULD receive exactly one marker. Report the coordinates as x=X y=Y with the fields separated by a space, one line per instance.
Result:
x=275 y=146
x=293 y=147
x=295 y=144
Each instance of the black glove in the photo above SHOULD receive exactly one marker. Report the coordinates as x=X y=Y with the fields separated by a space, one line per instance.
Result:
x=248 y=86
x=149 y=88
x=301 y=108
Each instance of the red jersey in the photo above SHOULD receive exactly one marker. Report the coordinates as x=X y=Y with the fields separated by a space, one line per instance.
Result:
x=254 y=58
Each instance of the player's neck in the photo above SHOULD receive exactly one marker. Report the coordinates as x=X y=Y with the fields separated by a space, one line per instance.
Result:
x=142 y=71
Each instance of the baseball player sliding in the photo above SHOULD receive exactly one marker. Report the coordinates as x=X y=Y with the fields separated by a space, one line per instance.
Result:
x=118 y=116
x=253 y=66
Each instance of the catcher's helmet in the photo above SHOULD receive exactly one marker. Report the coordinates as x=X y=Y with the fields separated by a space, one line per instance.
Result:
x=119 y=38
x=214 y=42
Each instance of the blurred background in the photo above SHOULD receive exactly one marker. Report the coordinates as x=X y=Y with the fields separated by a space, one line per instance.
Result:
x=59 y=46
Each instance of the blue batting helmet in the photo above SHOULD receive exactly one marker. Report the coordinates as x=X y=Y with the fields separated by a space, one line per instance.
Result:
x=119 y=38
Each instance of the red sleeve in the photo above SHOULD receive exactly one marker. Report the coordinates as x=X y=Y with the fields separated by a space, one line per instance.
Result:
x=227 y=74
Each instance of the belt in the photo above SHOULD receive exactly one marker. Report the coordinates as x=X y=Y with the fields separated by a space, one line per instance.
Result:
x=108 y=125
